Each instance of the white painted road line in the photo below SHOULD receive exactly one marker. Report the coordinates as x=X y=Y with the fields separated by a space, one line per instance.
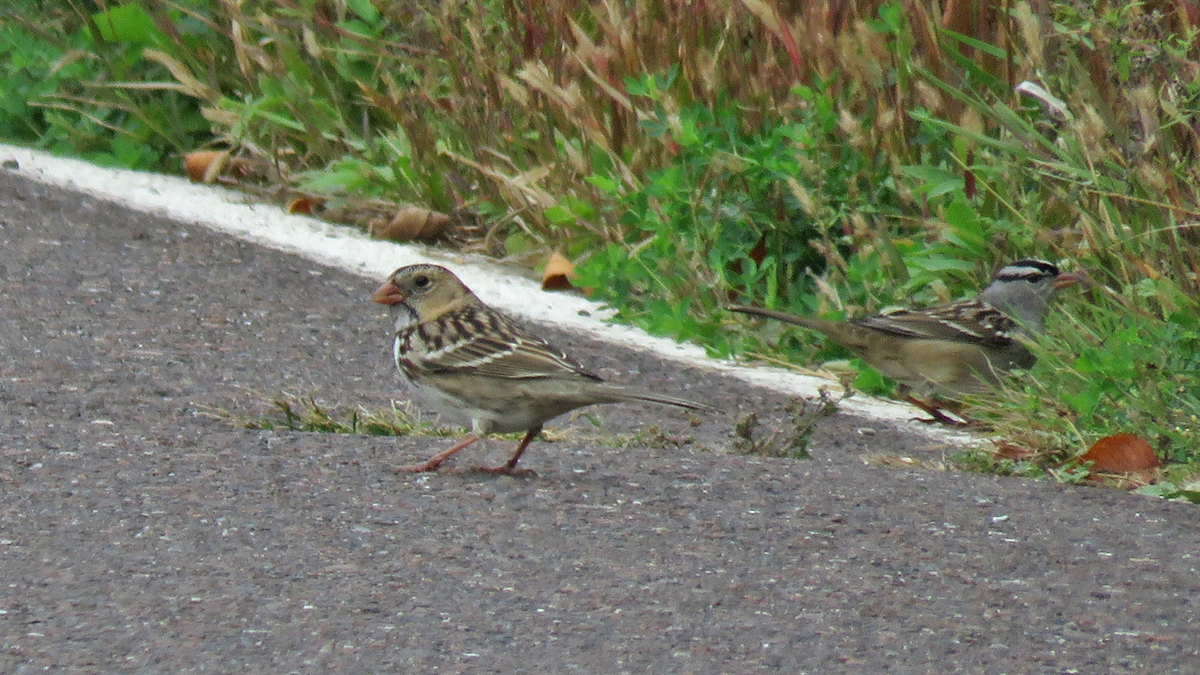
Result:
x=349 y=249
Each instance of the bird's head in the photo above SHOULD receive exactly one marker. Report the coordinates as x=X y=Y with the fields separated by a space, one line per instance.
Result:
x=1024 y=289
x=425 y=291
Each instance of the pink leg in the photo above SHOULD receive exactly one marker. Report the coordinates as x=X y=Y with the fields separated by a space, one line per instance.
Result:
x=434 y=462
x=509 y=468
x=937 y=416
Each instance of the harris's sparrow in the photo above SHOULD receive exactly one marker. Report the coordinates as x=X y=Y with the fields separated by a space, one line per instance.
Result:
x=470 y=362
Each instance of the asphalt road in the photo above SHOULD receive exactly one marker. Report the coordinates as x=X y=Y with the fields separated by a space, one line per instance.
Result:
x=140 y=536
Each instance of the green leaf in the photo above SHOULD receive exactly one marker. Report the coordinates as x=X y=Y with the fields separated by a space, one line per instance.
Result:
x=559 y=215
x=870 y=381
x=364 y=9
x=977 y=44
x=936 y=181
x=1083 y=402
x=126 y=23
x=606 y=185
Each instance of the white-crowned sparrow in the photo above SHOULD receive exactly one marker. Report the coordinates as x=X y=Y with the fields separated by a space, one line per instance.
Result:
x=955 y=348
x=472 y=363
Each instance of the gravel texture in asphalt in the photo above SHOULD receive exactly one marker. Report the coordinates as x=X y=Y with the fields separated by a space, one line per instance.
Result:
x=138 y=535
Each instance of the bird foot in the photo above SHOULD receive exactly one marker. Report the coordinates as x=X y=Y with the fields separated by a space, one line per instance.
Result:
x=505 y=470
x=937 y=415
x=425 y=467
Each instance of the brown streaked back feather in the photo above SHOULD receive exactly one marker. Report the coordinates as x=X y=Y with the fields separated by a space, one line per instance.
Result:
x=952 y=322
x=505 y=350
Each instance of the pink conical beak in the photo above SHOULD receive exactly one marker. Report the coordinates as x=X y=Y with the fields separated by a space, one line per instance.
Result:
x=1068 y=279
x=388 y=294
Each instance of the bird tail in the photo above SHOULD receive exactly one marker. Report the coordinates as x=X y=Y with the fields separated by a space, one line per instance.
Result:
x=807 y=322
x=623 y=394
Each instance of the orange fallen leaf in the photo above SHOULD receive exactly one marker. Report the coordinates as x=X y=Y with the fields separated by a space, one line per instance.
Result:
x=559 y=271
x=203 y=166
x=305 y=205
x=409 y=224
x=1121 y=453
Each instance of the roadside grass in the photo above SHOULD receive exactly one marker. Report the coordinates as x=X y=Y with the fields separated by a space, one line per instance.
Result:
x=790 y=442
x=305 y=413
x=822 y=158
x=299 y=412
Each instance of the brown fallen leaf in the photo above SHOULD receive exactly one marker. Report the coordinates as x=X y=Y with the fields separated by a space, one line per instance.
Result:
x=210 y=166
x=411 y=223
x=306 y=205
x=1014 y=452
x=559 y=271
x=1121 y=453
x=203 y=166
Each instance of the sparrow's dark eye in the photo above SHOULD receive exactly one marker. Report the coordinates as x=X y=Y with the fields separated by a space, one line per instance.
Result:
x=420 y=281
